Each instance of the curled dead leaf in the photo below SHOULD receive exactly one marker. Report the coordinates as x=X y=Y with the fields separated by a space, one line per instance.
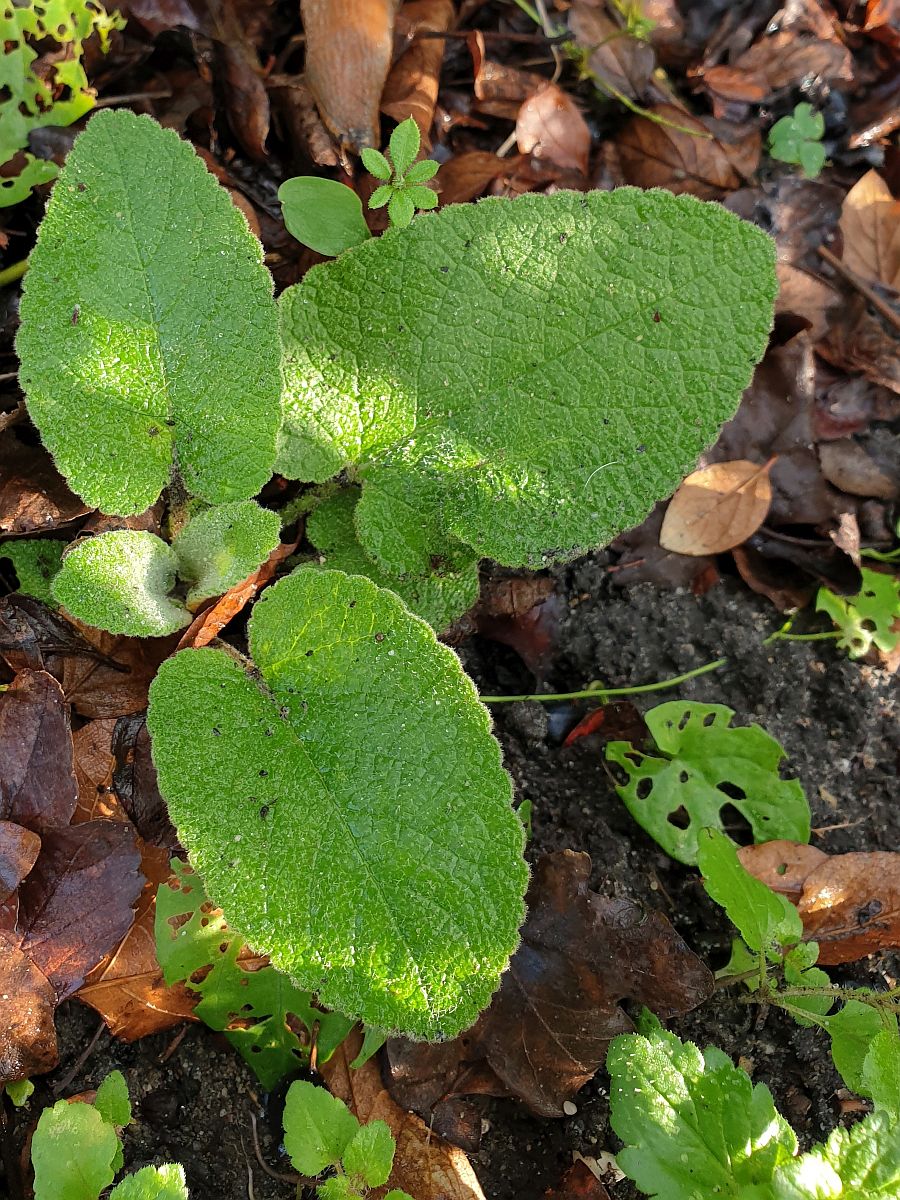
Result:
x=550 y=126
x=870 y=223
x=717 y=508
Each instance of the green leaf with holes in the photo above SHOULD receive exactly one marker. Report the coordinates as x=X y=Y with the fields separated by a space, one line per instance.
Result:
x=222 y=546
x=440 y=597
x=526 y=377
x=149 y=333
x=255 y=1008
x=35 y=562
x=871 y=618
x=345 y=803
x=703 y=764
x=120 y=581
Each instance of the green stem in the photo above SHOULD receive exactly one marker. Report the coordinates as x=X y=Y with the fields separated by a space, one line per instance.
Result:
x=10 y=274
x=602 y=693
x=781 y=635
x=529 y=10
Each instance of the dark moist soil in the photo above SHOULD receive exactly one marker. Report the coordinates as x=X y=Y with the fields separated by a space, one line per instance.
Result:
x=836 y=718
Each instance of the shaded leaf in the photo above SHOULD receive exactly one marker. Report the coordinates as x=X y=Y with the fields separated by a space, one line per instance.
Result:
x=94 y=767
x=37 y=777
x=657 y=155
x=578 y=1183
x=717 y=508
x=617 y=60
x=220 y=547
x=19 y=848
x=135 y=781
x=550 y=126
x=870 y=223
x=323 y=214
x=782 y=58
x=34 y=497
x=35 y=563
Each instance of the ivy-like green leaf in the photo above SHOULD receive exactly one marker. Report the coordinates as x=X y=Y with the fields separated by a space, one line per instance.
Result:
x=703 y=765
x=370 y=1155
x=868 y=618
x=541 y=371
x=766 y=920
x=318 y=1127
x=35 y=562
x=251 y=1007
x=346 y=806
x=862 y=1163
x=693 y=1124
x=148 y=332
x=323 y=214
x=112 y=1102
x=153 y=1183
x=72 y=1153
x=222 y=546
x=120 y=581
x=449 y=590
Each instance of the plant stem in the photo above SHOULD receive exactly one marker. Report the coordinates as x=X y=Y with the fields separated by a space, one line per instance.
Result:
x=781 y=635
x=10 y=274
x=602 y=693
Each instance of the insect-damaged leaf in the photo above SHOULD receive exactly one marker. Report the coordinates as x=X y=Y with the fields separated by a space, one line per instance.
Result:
x=547 y=1029
x=366 y=749
x=717 y=508
x=148 y=329
x=534 y=374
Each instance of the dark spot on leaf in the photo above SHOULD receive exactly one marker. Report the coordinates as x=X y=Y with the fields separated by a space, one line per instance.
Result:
x=656 y=317
x=379 y=637
x=869 y=911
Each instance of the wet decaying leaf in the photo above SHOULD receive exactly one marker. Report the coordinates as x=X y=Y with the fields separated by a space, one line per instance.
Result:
x=680 y=156
x=522 y=612
x=849 y=903
x=19 y=848
x=547 y=1029
x=34 y=497
x=37 y=775
x=717 y=508
x=424 y=1165
x=618 y=721
x=134 y=777
x=550 y=126
x=94 y=766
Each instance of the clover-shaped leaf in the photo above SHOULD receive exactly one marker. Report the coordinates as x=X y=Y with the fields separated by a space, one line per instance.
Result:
x=704 y=764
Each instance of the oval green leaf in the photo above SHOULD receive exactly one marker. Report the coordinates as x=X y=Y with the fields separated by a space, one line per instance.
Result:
x=323 y=214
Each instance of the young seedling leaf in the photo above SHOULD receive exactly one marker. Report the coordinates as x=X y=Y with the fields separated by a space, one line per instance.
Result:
x=357 y=742
x=370 y=1155
x=440 y=597
x=112 y=1102
x=376 y=164
x=148 y=332
x=153 y=1183
x=323 y=214
x=19 y=1091
x=704 y=764
x=871 y=618
x=717 y=508
x=318 y=1127
x=693 y=1124
x=35 y=562
x=253 y=1007
x=540 y=371
x=72 y=1152
x=862 y=1163
x=764 y=920
x=852 y=1031
x=404 y=146
x=222 y=546
x=120 y=582
x=798 y=139
x=338 y=1187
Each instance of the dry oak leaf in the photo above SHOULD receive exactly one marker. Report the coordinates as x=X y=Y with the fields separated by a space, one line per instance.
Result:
x=870 y=223
x=849 y=903
x=717 y=508
x=424 y=1165
x=550 y=126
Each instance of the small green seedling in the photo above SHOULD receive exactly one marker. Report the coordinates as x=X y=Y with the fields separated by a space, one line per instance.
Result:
x=123 y=581
x=871 y=618
x=797 y=139
x=323 y=214
x=703 y=764
x=76 y=1152
x=403 y=179
x=696 y=1126
x=321 y=1134
x=56 y=94
x=35 y=562
x=19 y=1091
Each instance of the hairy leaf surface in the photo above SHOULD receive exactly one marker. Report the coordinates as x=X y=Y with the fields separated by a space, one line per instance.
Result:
x=153 y=1183
x=222 y=546
x=347 y=807
x=149 y=333
x=529 y=377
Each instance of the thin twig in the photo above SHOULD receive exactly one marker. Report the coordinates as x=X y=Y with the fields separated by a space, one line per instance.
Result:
x=80 y=1061
x=174 y=1044
x=279 y=1175
x=861 y=286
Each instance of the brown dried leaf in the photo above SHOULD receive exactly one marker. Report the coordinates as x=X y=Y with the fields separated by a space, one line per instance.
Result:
x=643 y=560
x=34 y=497
x=784 y=584
x=849 y=903
x=619 y=61
x=547 y=1029
x=349 y=45
x=783 y=58
x=578 y=1183
x=127 y=988
x=424 y=1165
x=500 y=89
x=411 y=89
x=550 y=126
x=465 y=176
x=656 y=155
x=94 y=766
x=19 y=848
x=37 y=775
x=870 y=223
x=521 y=612
x=135 y=781
x=717 y=508
x=27 y=1032
x=847 y=465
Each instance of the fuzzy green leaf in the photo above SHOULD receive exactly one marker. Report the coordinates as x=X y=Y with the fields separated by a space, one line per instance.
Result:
x=347 y=806
x=868 y=618
x=703 y=765
x=421 y=172
x=222 y=546
x=401 y=209
x=148 y=326
x=881 y=1070
x=72 y=1153
x=449 y=590
x=370 y=1155
x=19 y=1091
x=540 y=371
x=693 y=1124
x=153 y=1183
x=318 y=1127
x=404 y=146
x=120 y=581
x=376 y=164
x=862 y=1163
x=35 y=562
x=323 y=214
x=251 y=1007
x=112 y=1102
x=338 y=1187
x=764 y=919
